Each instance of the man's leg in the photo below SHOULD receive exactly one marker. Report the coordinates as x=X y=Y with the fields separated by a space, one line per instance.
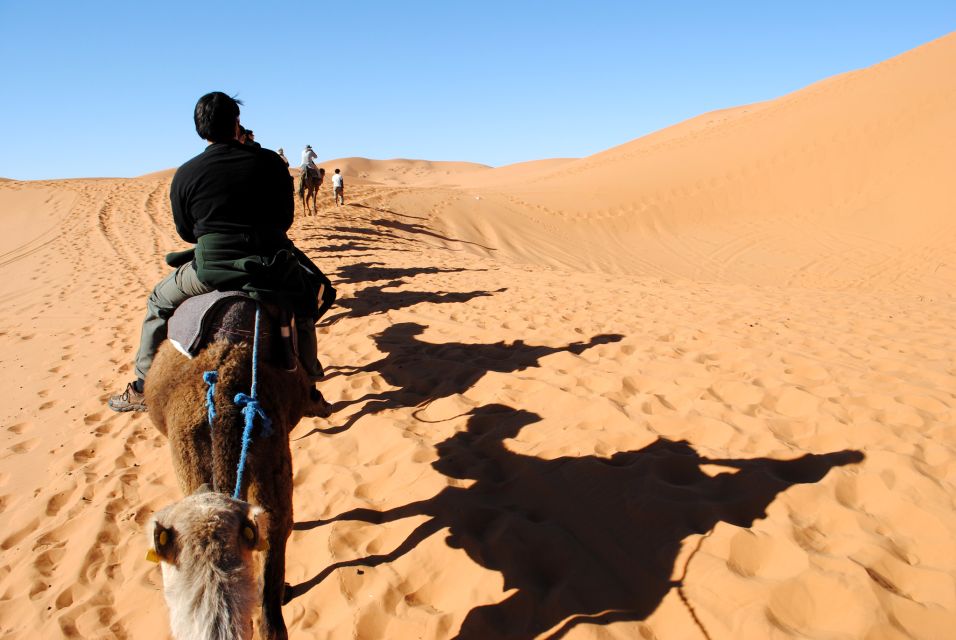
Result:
x=172 y=291
x=309 y=359
x=308 y=348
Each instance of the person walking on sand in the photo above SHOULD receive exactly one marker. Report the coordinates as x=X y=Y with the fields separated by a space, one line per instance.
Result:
x=338 y=187
x=235 y=203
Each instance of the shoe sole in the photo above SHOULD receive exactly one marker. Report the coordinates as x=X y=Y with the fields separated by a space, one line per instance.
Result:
x=137 y=409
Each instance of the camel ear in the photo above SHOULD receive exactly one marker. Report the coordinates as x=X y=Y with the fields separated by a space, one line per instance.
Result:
x=205 y=487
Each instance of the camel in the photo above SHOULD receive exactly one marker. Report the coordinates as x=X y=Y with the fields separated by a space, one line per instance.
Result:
x=209 y=454
x=205 y=545
x=309 y=188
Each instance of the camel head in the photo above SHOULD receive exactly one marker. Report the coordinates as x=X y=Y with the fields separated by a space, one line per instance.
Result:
x=206 y=545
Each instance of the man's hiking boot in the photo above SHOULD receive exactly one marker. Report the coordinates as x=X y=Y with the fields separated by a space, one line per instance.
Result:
x=318 y=406
x=129 y=400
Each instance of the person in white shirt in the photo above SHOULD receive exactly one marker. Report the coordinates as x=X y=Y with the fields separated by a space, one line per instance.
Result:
x=338 y=187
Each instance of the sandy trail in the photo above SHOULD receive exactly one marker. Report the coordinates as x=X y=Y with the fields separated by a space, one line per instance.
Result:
x=512 y=444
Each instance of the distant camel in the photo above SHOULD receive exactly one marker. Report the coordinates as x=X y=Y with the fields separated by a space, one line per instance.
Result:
x=309 y=188
x=209 y=454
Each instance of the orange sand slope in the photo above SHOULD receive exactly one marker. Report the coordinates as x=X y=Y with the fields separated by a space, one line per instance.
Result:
x=399 y=171
x=847 y=183
x=702 y=385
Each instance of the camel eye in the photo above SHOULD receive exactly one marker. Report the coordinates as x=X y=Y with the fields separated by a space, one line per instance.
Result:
x=163 y=540
x=249 y=533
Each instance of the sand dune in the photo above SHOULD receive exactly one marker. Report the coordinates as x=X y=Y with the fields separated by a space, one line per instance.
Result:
x=701 y=385
x=844 y=184
x=397 y=172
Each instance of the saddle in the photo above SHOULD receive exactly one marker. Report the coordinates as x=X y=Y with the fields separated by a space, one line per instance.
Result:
x=231 y=316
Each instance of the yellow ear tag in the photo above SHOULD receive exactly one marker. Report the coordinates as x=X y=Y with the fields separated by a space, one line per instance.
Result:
x=152 y=556
x=163 y=538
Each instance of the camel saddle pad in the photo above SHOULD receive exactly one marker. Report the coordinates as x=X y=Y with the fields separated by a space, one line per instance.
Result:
x=195 y=319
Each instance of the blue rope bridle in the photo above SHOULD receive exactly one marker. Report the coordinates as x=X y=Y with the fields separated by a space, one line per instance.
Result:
x=210 y=378
x=250 y=407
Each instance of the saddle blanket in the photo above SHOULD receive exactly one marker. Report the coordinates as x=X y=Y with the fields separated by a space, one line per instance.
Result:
x=191 y=322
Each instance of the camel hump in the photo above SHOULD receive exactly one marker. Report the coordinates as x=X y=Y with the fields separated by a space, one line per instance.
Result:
x=231 y=316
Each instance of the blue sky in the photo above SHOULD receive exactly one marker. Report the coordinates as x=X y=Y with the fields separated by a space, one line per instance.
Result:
x=104 y=88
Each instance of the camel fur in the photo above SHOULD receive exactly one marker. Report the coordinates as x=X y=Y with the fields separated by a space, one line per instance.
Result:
x=204 y=454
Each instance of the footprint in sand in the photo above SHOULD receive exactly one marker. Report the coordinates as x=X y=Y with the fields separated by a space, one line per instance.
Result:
x=37 y=588
x=65 y=599
x=18 y=535
x=56 y=503
x=25 y=446
x=83 y=455
x=46 y=562
x=19 y=427
x=47 y=405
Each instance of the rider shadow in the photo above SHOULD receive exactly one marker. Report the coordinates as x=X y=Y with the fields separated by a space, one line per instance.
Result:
x=372 y=300
x=388 y=211
x=579 y=539
x=426 y=371
x=352 y=239
x=362 y=272
x=417 y=229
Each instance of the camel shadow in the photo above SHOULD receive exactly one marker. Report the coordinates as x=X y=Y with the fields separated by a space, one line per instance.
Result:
x=362 y=272
x=372 y=300
x=578 y=540
x=417 y=229
x=425 y=371
x=388 y=211
x=342 y=239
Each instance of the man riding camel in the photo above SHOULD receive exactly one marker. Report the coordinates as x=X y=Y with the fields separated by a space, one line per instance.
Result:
x=308 y=155
x=235 y=203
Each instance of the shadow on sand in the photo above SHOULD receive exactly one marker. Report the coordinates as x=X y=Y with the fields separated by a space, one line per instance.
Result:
x=580 y=540
x=362 y=272
x=375 y=299
x=425 y=371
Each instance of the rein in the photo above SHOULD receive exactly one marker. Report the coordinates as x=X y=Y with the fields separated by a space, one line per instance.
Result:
x=251 y=408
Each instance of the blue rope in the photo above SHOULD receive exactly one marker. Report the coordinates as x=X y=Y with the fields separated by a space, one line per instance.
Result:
x=250 y=409
x=211 y=378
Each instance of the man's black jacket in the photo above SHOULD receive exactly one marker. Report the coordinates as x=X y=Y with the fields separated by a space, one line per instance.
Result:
x=235 y=202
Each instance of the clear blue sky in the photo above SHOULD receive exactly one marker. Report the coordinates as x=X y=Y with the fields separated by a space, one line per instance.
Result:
x=106 y=88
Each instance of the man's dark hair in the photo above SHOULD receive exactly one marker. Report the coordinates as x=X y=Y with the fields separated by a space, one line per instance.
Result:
x=215 y=117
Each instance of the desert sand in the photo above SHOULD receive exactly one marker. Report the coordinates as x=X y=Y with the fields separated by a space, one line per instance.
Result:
x=701 y=385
